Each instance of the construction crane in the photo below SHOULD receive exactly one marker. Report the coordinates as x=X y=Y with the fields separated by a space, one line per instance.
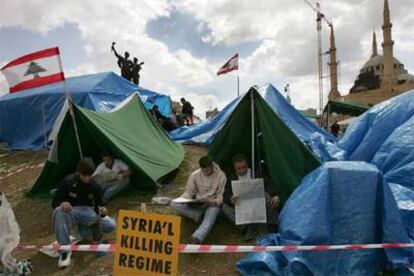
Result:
x=319 y=17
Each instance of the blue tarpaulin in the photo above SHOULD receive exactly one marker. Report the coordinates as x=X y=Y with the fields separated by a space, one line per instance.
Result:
x=338 y=203
x=384 y=137
x=205 y=132
x=27 y=117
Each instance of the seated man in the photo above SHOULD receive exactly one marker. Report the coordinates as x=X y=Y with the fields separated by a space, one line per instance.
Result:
x=241 y=171
x=112 y=175
x=207 y=185
x=78 y=200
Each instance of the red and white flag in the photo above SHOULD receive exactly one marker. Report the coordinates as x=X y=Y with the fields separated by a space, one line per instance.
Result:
x=34 y=70
x=232 y=64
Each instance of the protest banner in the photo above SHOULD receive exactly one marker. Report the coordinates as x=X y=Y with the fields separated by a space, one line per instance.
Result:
x=146 y=244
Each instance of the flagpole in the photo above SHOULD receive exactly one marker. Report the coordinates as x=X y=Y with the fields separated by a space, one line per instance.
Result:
x=72 y=114
x=44 y=122
x=253 y=132
x=238 y=86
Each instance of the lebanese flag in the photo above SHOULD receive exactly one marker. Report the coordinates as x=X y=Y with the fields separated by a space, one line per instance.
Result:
x=232 y=64
x=34 y=70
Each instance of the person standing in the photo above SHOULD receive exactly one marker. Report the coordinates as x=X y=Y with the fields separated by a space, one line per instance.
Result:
x=187 y=111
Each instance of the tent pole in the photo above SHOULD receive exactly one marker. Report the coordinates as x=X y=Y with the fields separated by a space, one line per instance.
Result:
x=253 y=131
x=72 y=114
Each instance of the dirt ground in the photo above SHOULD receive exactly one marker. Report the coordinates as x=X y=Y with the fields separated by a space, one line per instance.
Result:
x=34 y=218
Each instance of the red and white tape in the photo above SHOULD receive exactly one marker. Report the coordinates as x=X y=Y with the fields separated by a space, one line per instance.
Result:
x=40 y=165
x=195 y=248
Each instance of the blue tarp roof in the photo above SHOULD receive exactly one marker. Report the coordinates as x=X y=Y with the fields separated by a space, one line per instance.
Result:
x=338 y=203
x=384 y=137
x=27 y=117
x=205 y=132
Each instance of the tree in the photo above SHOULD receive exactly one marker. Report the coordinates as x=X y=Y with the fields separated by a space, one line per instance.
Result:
x=34 y=69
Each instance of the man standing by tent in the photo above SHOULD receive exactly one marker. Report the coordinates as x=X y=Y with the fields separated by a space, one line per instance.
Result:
x=187 y=111
x=206 y=185
x=241 y=171
x=78 y=201
x=112 y=175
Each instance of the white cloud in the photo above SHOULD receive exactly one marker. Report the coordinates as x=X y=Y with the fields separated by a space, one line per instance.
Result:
x=285 y=29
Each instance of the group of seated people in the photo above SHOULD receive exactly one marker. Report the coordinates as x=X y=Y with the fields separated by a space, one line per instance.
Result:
x=211 y=185
x=80 y=200
x=81 y=197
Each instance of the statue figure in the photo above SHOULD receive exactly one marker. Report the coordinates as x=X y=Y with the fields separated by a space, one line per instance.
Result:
x=123 y=62
x=135 y=68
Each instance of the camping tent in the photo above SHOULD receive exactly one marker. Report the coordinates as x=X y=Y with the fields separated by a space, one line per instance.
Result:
x=27 y=117
x=129 y=132
x=205 y=132
x=287 y=159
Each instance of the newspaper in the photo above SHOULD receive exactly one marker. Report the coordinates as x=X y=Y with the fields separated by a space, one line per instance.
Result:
x=251 y=204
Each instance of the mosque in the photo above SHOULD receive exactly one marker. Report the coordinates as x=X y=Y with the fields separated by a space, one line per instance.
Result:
x=382 y=76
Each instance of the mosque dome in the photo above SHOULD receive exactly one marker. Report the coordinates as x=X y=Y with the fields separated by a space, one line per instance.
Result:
x=378 y=60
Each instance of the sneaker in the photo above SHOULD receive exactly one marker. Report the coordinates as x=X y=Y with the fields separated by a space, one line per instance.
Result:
x=96 y=230
x=64 y=259
x=194 y=240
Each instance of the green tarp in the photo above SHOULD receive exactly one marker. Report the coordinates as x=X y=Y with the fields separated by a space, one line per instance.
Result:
x=130 y=133
x=287 y=160
x=345 y=108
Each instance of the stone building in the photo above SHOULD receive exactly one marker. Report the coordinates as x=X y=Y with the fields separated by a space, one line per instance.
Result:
x=382 y=76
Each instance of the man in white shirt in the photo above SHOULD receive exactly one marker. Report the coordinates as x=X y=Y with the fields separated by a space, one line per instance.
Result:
x=206 y=185
x=112 y=175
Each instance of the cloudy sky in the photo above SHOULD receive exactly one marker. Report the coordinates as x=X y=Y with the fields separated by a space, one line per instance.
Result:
x=184 y=42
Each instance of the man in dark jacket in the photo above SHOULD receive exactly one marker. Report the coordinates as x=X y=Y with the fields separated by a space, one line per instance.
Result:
x=241 y=171
x=78 y=200
x=187 y=111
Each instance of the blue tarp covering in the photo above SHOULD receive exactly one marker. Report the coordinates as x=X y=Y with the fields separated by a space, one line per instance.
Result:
x=26 y=118
x=205 y=132
x=384 y=137
x=151 y=98
x=338 y=203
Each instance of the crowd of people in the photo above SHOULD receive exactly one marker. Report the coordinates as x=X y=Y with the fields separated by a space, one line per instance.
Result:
x=81 y=197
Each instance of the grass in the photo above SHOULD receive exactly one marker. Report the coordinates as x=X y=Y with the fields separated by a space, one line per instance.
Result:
x=34 y=218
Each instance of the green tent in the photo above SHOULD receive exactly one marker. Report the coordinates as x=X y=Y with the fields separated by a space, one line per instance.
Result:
x=345 y=108
x=287 y=159
x=129 y=132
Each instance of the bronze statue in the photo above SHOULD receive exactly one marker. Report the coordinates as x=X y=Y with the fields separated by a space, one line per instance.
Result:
x=135 y=68
x=124 y=63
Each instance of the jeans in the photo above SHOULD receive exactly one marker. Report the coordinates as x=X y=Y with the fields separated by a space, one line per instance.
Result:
x=83 y=216
x=196 y=214
x=111 y=189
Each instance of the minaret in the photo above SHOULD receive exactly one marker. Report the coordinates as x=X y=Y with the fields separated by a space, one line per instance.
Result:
x=333 y=68
x=374 y=45
x=389 y=77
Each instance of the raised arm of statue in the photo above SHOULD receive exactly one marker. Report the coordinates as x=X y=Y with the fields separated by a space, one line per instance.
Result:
x=115 y=52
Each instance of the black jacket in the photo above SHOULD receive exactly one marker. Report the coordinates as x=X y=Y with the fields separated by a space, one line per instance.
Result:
x=71 y=189
x=187 y=108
